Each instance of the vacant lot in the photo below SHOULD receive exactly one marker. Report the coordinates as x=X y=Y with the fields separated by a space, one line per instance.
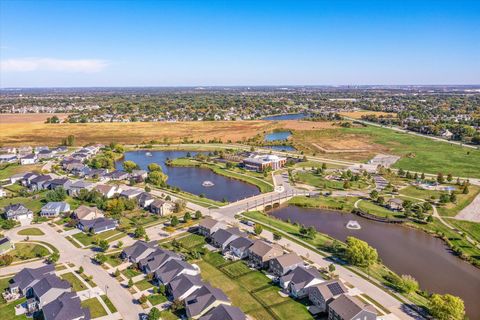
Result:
x=29 y=117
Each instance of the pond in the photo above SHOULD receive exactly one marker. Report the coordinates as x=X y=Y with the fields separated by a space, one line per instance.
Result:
x=290 y=116
x=190 y=179
x=404 y=250
x=278 y=136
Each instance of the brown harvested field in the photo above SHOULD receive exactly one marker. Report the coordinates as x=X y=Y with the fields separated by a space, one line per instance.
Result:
x=130 y=133
x=359 y=114
x=29 y=117
x=306 y=125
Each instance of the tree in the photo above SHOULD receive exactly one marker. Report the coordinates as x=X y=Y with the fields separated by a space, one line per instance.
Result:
x=53 y=258
x=408 y=283
x=119 y=244
x=346 y=184
x=103 y=245
x=130 y=283
x=198 y=215
x=100 y=258
x=277 y=236
x=56 y=195
x=154 y=314
x=258 y=229
x=453 y=197
x=5 y=260
x=187 y=216
x=80 y=270
x=154 y=167
x=129 y=166
x=449 y=177
x=116 y=274
x=139 y=232
x=174 y=221
x=331 y=268
x=374 y=194
x=446 y=307
x=324 y=166
x=440 y=178
x=162 y=289
x=381 y=201
x=359 y=253
x=180 y=205
x=465 y=190
x=143 y=299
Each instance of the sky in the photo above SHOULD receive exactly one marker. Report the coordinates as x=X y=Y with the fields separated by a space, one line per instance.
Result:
x=206 y=43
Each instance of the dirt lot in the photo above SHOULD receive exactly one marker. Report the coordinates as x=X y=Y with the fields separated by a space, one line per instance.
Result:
x=29 y=117
x=359 y=114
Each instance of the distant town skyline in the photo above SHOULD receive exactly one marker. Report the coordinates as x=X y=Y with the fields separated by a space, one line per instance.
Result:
x=238 y=43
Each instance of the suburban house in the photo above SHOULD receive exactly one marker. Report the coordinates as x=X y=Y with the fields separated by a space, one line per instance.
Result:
x=350 y=308
x=174 y=268
x=28 y=159
x=145 y=199
x=261 y=252
x=224 y=312
x=183 y=286
x=87 y=213
x=18 y=212
x=79 y=185
x=160 y=207
x=6 y=245
x=97 y=225
x=139 y=175
x=284 y=263
x=260 y=162
x=46 y=154
x=323 y=293
x=53 y=209
x=40 y=182
x=9 y=150
x=46 y=290
x=41 y=148
x=59 y=183
x=203 y=300
x=28 y=177
x=130 y=193
x=3 y=193
x=25 y=150
x=66 y=306
x=139 y=250
x=108 y=191
x=395 y=204
x=24 y=280
x=208 y=226
x=239 y=247
x=8 y=158
x=157 y=259
x=298 y=281
x=94 y=173
x=222 y=238
x=17 y=177
x=117 y=175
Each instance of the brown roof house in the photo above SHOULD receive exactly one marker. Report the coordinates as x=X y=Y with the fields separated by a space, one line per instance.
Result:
x=208 y=226
x=261 y=252
x=87 y=213
x=323 y=293
x=350 y=308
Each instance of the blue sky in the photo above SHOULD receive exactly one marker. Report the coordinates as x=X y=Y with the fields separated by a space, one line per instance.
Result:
x=184 y=43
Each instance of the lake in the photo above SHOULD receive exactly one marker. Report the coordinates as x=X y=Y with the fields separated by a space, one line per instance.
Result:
x=278 y=136
x=404 y=250
x=190 y=179
x=290 y=116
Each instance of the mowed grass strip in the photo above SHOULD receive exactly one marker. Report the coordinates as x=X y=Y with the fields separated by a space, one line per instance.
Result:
x=31 y=232
x=96 y=308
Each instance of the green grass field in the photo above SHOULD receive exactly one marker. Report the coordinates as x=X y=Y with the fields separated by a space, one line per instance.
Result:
x=333 y=203
x=9 y=169
x=109 y=304
x=471 y=228
x=88 y=240
x=24 y=251
x=31 y=232
x=318 y=181
x=463 y=200
x=372 y=208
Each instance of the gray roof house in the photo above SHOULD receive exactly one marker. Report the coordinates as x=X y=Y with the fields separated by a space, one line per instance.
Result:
x=66 y=307
x=130 y=193
x=261 y=252
x=284 y=263
x=49 y=288
x=183 y=286
x=298 y=281
x=222 y=237
x=5 y=245
x=139 y=250
x=97 y=225
x=224 y=312
x=174 y=268
x=157 y=259
x=208 y=226
x=350 y=308
x=117 y=175
x=203 y=300
x=53 y=209
x=323 y=293
x=28 y=177
x=8 y=158
x=40 y=182
x=61 y=182
x=239 y=247
x=18 y=212
x=27 y=277
x=79 y=185
x=145 y=199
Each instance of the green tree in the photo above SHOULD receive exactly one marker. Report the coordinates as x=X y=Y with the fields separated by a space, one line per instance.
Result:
x=130 y=283
x=80 y=270
x=374 y=194
x=154 y=167
x=258 y=229
x=53 y=258
x=408 y=283
x=157 y=178
x=56 y=195
x=359 y=253
x=154 y=314
x=198 y=215
x=139 y=232
x=446 y=307
x=187 y=216
x=100 y=258
x=103 y=245
x=440 y=178
x=174 y=221
x=277 y=236
x=129 y=166
x=180 y=205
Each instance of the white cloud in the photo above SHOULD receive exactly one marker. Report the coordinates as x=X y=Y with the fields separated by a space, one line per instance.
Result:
x=50 y=64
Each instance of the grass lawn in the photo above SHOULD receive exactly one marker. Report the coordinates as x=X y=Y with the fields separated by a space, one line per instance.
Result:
x=7 y=311
x=131 y=272
x=88 y=240
x=463 y=200
x=114 y=259
x=333 y=203
x=96 y=308
x=31 y=232
x=77 y=285
x=375 y=209
x=156 y=299
x=4 y=282
x=9 y=169
x=283 y=307
x=415 y=192
x=236 y=269
x=191 y=241
x=143 y=284
x=472 y=228
x=167 y=315
x=24 y=251
x=109 y=304
x=33 y=204
x=215 y=259
x=254 y=280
